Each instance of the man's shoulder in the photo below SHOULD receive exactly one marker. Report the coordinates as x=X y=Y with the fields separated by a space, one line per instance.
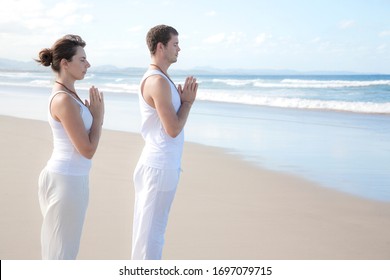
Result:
x=156 y=81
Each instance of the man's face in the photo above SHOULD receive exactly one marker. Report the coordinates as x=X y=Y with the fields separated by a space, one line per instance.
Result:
x=172 y=49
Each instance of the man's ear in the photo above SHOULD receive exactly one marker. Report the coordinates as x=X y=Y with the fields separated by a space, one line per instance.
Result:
x=160 y=46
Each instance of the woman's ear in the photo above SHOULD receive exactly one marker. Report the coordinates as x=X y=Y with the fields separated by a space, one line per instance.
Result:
x=64 y=63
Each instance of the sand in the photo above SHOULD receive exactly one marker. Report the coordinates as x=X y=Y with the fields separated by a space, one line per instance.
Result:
x=225 y=208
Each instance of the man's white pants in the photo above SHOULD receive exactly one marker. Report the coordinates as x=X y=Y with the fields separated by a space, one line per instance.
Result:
x=154 y=193
x=64 y=201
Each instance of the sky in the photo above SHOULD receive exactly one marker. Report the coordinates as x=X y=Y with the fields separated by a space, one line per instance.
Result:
x=302 y=35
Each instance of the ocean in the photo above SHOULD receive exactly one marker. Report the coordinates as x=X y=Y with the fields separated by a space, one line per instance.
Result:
x=331 y=129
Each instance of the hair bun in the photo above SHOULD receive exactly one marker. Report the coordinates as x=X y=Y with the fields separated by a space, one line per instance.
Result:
x=46 y=57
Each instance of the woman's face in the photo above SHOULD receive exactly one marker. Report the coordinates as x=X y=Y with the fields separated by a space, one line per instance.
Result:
x=79 y=64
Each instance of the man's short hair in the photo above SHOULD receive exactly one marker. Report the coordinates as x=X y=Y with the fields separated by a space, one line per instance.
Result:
x=159 y=34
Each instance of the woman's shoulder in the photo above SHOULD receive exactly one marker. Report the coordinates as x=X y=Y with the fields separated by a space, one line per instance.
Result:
x=63 y=101
x=62 y=97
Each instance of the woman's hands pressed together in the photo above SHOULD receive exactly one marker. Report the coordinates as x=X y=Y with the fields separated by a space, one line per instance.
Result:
x=96 y=104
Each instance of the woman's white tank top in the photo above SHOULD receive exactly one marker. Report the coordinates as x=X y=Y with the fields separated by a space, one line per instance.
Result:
x=161 y=150
x=65 y=158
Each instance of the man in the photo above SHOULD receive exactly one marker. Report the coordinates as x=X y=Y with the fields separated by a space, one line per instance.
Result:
x=164 y=112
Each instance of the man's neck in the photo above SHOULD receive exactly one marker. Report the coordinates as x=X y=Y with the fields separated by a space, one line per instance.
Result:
x=162 y=66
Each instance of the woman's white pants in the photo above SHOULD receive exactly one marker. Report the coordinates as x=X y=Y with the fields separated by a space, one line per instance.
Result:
x=154 y=193
x=64 y=201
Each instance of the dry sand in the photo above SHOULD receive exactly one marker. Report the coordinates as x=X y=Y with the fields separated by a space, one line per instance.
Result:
x=225 y=208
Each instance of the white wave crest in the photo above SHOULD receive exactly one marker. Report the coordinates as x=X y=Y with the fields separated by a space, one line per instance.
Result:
x=120 y=87
x=235 y=82
x=297 y=103
x=332 y=83
x=298 y=83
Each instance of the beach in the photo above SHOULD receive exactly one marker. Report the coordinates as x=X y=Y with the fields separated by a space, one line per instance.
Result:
x=225 y=207
x=331 y=130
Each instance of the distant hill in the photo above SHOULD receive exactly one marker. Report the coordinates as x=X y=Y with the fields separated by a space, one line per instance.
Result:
x=14 y=65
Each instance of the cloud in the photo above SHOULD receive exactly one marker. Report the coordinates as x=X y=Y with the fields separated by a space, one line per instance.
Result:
x=135 y=29
x=34 y=15
x=211 y=13
x=260 y=39
x=63 y=9
x=316 y=40
x=345 y=24
x=38 y=23
x=215 y=39
x=87 y=18
x=233 y=38
x=16 y=11
x=382 y=48
x=384 y=33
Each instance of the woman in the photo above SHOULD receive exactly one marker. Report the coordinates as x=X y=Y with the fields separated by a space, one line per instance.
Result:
x=76 y=127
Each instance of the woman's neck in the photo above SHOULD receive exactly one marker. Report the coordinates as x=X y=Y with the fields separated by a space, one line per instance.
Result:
x=67 y=83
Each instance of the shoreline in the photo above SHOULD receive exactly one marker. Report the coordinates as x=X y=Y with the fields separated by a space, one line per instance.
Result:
x=327 y=147
x=225 y=207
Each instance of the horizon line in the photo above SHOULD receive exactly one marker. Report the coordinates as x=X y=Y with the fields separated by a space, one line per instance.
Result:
x=28 y=65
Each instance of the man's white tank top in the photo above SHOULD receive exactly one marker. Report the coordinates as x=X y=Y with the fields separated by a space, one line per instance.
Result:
x=161 y=150
x=65 y=158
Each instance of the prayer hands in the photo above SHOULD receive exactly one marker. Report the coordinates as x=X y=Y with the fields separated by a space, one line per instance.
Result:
x=96 y=104
x=188 y=92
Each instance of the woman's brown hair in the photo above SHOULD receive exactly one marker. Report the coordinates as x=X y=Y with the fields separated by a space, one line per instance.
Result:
x=64 y=48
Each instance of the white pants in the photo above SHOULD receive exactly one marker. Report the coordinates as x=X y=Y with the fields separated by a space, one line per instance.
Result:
x=154 y=193
x=64 y=201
